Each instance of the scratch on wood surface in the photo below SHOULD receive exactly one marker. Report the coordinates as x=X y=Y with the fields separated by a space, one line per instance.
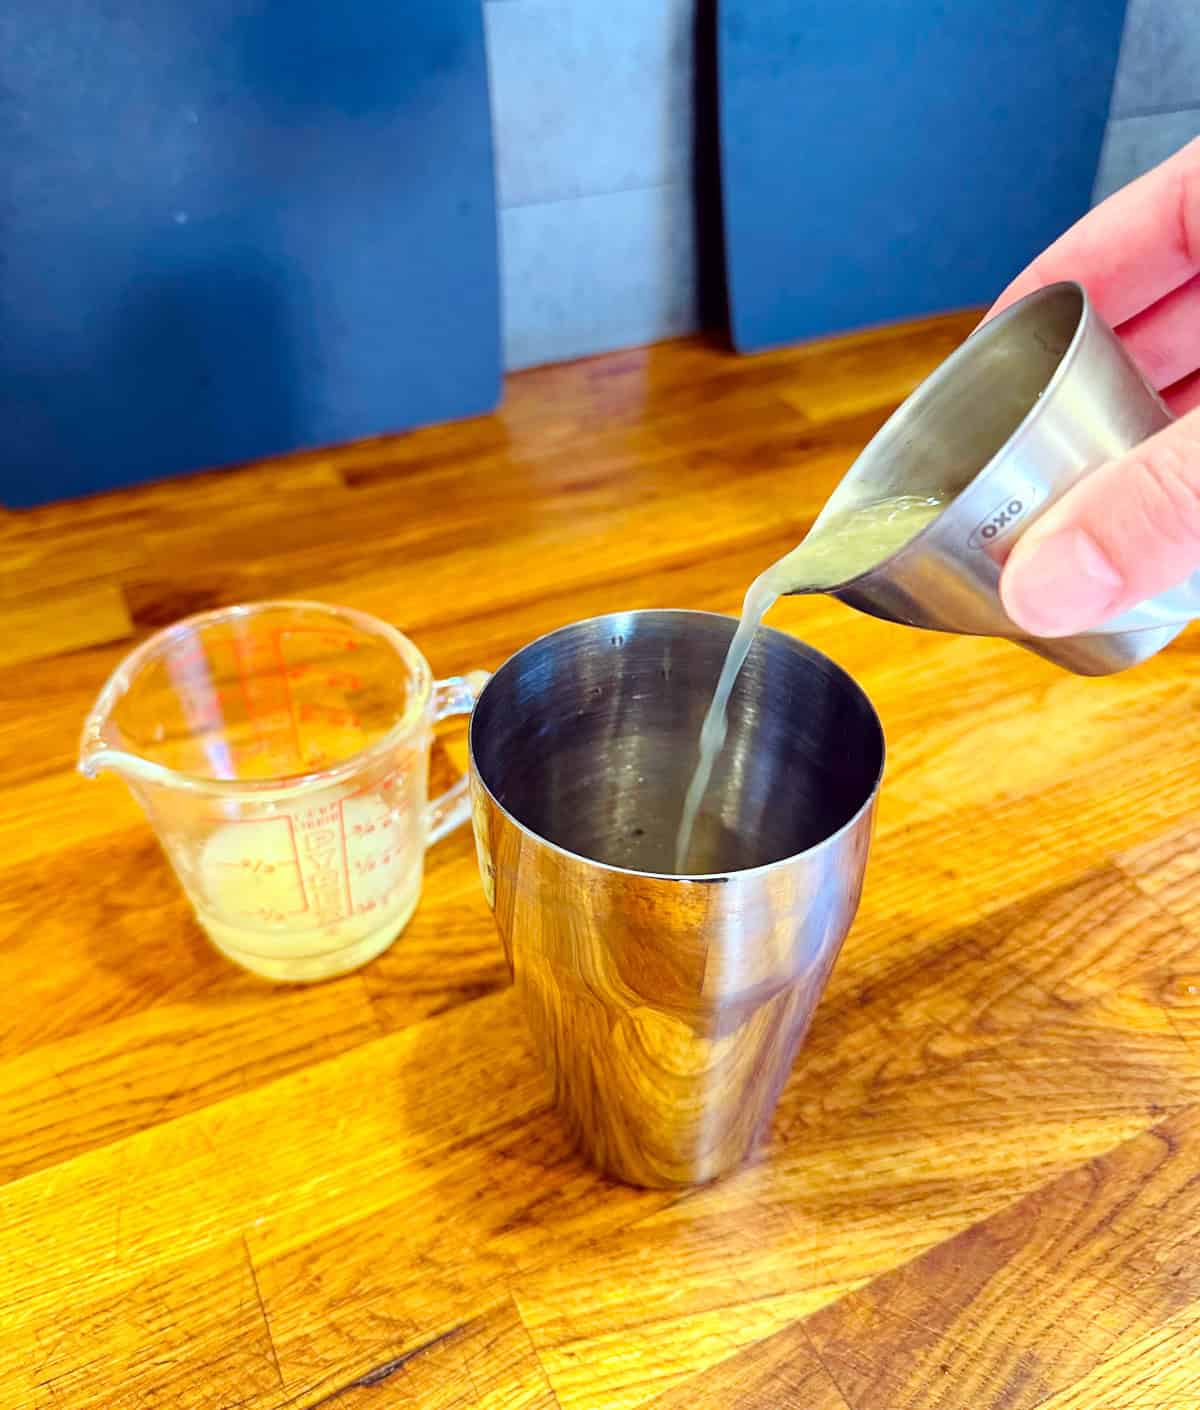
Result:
x=262 y=1308
x=387 y=1369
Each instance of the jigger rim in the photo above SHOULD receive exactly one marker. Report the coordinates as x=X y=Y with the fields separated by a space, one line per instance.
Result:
x=611 y=621
x=913 y=404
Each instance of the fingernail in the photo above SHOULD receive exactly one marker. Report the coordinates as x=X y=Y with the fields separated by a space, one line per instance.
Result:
x=1065 y=584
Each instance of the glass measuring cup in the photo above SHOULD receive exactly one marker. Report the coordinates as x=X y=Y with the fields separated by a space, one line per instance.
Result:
x=281 y=751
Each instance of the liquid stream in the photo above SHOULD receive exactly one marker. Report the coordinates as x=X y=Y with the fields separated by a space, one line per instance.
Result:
x=837 y=549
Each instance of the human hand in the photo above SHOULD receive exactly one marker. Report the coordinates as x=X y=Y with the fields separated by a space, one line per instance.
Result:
x=1131 y=529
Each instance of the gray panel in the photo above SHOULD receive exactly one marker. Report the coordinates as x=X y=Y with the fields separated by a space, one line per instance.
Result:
x=1159 y=67
x=597 y=273
x=1133 y=145
x=589 y=98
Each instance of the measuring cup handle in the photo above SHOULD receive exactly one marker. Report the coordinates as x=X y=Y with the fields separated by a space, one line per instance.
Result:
x=455 y=696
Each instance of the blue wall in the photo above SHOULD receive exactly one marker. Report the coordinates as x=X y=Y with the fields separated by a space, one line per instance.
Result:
x=593 y=125
x=227 y=216
x=882 y=160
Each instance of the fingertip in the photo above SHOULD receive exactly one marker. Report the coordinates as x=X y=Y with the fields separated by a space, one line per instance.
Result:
x=1059 y=584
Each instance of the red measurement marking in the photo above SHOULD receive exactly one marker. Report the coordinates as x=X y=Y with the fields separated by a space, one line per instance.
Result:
x=336 y=680
x=330 y=640
x=310 y=711
x=296 y=859
x=295 y=862
x=258 y=865
x=281 y=661
x=381 y=859
x=345 y=857
x=386 y=785
x=247 y=699
x=377 y=903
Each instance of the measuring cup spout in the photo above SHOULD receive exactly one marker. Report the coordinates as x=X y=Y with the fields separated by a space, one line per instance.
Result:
x=99 y=751
x=95 y=760
x=101 y=744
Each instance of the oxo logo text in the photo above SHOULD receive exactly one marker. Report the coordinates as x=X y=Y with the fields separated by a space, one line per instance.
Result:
x=1002 y=518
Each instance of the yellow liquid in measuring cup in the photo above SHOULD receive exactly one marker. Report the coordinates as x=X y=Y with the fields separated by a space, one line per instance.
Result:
x=311 y=893
x=838 y=549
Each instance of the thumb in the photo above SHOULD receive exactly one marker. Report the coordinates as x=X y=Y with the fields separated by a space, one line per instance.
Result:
x=1128 y=531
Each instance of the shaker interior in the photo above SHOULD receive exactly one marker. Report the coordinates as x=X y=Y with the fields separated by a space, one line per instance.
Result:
x=589 y=737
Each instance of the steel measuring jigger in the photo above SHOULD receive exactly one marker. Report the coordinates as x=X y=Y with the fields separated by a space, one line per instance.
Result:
x=1034 y=399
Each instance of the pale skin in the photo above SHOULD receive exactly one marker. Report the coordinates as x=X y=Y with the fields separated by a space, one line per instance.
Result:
x=1132 y=528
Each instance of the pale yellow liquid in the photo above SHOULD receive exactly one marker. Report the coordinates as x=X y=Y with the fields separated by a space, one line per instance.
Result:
x=314 y=891
x=838 y=549
x=284 y=955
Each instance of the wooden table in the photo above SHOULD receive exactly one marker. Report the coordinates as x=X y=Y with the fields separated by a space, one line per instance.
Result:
x=983 y=1185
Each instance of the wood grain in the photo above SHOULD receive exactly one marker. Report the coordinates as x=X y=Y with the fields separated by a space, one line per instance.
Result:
x=980 y=1186
x=66 y=621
